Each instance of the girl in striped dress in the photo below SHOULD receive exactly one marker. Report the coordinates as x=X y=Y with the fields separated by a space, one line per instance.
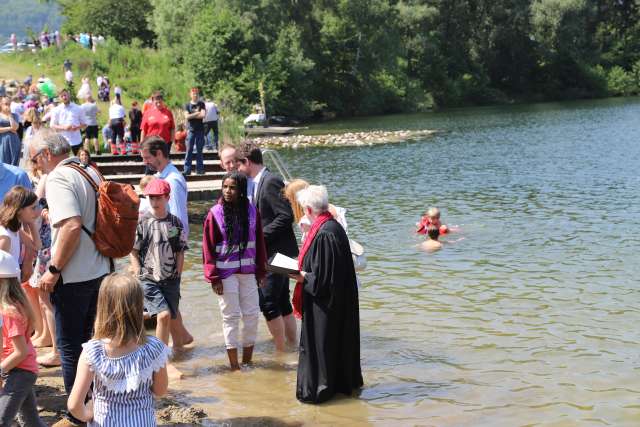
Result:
x=127 y=368
x=234 y=256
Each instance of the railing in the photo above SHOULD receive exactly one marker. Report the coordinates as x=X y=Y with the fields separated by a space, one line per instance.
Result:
x=277 y=161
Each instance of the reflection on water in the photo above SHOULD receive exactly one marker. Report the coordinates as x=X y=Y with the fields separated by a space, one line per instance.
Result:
x=530 y=320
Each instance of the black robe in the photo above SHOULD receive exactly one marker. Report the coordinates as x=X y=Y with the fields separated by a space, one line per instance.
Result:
x=329 y=360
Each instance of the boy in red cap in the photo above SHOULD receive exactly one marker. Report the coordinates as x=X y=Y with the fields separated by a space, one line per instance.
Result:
x=157 y=259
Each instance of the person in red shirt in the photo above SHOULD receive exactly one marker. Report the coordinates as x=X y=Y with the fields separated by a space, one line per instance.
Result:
x=181 y=137
x=158 y=121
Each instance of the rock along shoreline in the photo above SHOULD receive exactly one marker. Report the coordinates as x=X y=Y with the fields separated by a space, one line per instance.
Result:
x=348 y=139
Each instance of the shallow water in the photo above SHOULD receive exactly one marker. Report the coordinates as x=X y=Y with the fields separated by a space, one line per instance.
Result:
x=530 y=318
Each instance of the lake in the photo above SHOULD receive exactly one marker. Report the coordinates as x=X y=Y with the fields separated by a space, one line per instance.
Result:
x=529 y=314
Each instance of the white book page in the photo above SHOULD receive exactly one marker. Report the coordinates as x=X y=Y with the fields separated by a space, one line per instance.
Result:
x=283 y=261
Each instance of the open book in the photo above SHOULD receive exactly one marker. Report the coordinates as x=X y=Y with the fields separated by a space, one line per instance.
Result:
x=283 y=264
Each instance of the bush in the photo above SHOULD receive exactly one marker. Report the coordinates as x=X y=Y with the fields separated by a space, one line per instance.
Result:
x=621 y=82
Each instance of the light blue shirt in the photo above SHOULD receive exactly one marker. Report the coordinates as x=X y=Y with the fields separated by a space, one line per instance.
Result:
x=11 y=176
x=250 y=190
x=178 y=196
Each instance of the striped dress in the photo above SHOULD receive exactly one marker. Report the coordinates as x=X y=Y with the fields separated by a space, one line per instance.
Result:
x=122 y=385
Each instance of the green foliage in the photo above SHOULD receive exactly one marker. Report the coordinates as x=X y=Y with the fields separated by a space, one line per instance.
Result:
x=349 y=57
x=109 y=18
x=621 y=82
x=170 y=19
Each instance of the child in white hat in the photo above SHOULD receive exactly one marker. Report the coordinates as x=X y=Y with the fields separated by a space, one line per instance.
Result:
x=18 y=369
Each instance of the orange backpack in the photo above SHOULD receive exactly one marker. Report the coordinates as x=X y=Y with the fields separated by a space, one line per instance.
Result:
x=116 y=215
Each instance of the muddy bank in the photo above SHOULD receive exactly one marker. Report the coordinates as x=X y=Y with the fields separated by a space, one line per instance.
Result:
x=52 y=402
x=348 y=139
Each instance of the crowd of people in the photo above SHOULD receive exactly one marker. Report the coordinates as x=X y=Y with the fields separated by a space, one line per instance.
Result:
x=31 y=105
x=58 y=289
x=47 y=39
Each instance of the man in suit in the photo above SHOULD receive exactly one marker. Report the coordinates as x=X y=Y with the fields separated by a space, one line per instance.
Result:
x=277 y=218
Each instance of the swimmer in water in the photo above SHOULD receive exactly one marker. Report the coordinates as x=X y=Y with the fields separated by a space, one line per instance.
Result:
x=431 y=244
x=431 y=218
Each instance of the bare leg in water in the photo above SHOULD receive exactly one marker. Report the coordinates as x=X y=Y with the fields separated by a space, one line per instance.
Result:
x=247 y=355
x=232 y=353
x=276 y=328
x=179 y=333
x=290 y=329
x=163 y=326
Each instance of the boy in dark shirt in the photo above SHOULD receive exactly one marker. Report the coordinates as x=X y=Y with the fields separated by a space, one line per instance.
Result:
x=194 y=114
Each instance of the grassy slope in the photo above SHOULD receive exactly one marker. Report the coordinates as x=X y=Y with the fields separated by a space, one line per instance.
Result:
x=137 y=71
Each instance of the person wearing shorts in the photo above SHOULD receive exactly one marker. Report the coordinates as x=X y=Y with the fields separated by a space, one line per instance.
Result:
x=158 y=256
x=90 y=110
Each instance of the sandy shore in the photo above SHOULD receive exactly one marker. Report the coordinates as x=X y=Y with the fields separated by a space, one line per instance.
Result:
x=52 y=400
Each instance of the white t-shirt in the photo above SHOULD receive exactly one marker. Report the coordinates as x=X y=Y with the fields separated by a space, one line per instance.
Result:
x=90 y=110
x=211 y=114
x=70 y=114
x=68 y=75
x=14 y=237
x=17 y=108
x=69 y=194
x=116 y=111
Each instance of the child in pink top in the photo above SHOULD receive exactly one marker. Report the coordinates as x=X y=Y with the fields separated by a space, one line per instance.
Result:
x=18 y=369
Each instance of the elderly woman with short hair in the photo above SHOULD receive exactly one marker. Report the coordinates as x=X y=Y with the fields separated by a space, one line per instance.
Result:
x=326 y=296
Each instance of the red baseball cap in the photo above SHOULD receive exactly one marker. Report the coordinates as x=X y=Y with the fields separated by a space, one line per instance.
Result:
x=157 y=187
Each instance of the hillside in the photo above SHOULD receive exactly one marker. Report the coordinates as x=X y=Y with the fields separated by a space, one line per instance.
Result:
x=18 y=15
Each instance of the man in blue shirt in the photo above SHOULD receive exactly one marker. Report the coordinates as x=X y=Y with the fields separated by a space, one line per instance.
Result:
x=11 y=176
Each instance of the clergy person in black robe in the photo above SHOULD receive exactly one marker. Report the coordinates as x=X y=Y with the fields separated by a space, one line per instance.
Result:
x=327 y=296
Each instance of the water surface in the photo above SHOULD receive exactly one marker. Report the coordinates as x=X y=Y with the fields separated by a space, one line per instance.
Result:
x=531 y=319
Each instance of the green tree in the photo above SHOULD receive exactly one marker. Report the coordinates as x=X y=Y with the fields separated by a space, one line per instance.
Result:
x=109 y=18
x=171 y=19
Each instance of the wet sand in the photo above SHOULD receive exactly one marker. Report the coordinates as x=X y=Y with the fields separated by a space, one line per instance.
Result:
x=52 y=402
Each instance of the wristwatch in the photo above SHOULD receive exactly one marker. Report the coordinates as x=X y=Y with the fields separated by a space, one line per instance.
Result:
x=54 y=270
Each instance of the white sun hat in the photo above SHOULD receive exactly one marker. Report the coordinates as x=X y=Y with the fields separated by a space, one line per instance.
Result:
x=8 y=266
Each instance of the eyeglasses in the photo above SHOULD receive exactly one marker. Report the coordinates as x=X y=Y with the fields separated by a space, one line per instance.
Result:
x=35 y=158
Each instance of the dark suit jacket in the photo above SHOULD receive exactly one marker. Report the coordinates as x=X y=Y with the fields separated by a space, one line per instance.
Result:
x=277 y=216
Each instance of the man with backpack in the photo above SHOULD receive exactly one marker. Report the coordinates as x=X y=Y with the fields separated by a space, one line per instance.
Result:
x=77 y=267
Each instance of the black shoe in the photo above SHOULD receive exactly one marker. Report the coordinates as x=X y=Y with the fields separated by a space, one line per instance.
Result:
x=186 y=173
x=200 y=173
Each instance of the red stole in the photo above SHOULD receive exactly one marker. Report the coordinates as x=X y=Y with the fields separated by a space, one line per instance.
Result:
x=297 y=292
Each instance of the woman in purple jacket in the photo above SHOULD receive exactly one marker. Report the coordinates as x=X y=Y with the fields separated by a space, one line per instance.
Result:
x=234 y=257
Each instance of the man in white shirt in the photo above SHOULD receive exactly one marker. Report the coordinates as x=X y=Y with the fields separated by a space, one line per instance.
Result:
x=211 y=124
x=68 y=119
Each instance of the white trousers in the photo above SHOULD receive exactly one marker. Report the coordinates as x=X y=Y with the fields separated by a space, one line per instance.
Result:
x=239 y=300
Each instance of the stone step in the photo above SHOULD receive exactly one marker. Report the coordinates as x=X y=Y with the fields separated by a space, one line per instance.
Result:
x=134 y=178
x=128 y=168
x=201 y=190
x=110 y=158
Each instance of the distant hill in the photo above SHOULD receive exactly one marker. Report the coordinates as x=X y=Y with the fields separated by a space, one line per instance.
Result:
x=18 y=15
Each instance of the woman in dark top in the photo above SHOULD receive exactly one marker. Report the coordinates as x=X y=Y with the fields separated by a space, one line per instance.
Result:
x=135 y=122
